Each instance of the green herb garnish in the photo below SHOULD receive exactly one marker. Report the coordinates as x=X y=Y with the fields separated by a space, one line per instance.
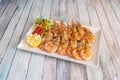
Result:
x=47 y=22
x=38 y=20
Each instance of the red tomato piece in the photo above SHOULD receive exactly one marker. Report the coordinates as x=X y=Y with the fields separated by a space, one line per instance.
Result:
x=39 y=30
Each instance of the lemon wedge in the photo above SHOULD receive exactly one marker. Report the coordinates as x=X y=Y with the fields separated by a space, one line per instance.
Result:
x=33 y=40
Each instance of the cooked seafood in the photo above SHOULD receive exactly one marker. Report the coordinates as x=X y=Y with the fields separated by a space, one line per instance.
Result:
x=55 y=29
x=74 y=34
x=86 y=53
x=81 y=32
x=89 y=35
x=46 y=38
x=65 y=39
x=72 y=49
x=62 y=49
x=76 y=53
x=72 y=45
x=52 y=45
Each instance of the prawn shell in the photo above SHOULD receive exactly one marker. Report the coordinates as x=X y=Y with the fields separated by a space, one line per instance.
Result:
x=86 y=55
x=69 y=49
x=50 y=48
x=61 y=51
x=75 y=53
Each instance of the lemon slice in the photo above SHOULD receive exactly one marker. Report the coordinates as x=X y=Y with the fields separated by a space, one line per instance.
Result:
x=34 y=40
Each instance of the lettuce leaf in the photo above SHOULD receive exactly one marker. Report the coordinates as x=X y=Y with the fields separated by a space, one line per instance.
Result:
x=48 y=23
x=38 y=20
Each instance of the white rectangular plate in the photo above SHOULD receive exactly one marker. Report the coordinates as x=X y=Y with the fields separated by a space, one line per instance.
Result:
x=96 y=49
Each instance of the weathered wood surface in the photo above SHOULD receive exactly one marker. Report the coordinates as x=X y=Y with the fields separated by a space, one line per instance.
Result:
x=16 y=18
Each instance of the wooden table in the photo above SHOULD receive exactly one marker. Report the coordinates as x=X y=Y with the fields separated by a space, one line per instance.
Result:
x=16 y=18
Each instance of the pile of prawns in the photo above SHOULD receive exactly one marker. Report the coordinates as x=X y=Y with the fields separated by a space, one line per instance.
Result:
x=65 y=39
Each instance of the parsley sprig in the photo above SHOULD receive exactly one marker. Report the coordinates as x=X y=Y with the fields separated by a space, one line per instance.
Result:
x=47 y=22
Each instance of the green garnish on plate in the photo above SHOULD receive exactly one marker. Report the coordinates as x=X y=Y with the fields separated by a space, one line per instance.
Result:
x=47 y=22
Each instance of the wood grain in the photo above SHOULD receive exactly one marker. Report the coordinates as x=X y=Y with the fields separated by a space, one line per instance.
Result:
x=109 y=70
x=46 y=9
x=62 y=67
x=63 y=10
x=20 y=62
x=113 y=20
x=11 y=50
x=83 y=13
x=7 y=15
x=77 y=71
x=72 y=10
x=94 y=23
x=3 y=6
x=18 y=16
x=116 y=7
x=36 y=61
x=0 y=1
x=49 y=65
x=10 y=29
x=110 y=38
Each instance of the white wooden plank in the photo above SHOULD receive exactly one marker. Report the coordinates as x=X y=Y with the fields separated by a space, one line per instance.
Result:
x=97 y=73
x=72 y=10
x=110 y=39
x=46 y=9
x=102 y=65
x=105 y=25
x=116 y=6
x=83 y=70
x=63 y=10
x=7 y=61
x=77 y=72
x=55 y=10
x=10 y=29
x=19 y=66
x=63 y=67
x=113 y=20
x=35 y=67
x=107 y=64
x=93 y=18
x=7 y=15
x=36 y=61
x=114 y=24
x=94 y=22
x=76 y=68
x=63 y=70
x=20 y=63
x=0 y=1
x=3 y=6
x=83 y=14
x=49 y=67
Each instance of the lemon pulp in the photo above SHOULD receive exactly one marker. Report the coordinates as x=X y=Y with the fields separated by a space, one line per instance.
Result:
x=33 y=40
